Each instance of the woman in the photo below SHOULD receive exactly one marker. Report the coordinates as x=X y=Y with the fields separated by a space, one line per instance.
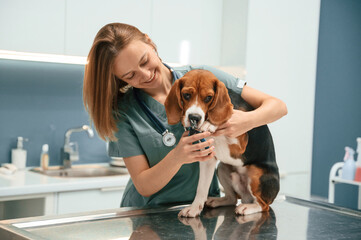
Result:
x=124 y=73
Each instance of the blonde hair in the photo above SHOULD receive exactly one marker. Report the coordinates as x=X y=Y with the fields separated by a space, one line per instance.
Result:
x=101 y=88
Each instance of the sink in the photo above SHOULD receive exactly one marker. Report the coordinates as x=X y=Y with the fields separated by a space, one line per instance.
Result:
x=81 y=171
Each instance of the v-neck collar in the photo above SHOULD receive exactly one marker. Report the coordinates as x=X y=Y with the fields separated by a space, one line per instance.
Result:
x=155 y=106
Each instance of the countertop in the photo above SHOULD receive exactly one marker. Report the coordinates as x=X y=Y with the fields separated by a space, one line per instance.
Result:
x=25 y=182
x=289 y=218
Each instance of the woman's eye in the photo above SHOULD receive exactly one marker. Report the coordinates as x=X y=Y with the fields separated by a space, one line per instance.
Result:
x=145 y=62
x=130 y=77
x=207 y=99
x=186 y=96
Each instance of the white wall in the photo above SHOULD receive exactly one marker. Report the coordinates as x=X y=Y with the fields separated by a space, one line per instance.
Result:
x=281 y=60
x=234 y=32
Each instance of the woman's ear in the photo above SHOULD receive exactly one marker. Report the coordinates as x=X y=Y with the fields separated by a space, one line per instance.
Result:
x=173 y=103
x=221 y=108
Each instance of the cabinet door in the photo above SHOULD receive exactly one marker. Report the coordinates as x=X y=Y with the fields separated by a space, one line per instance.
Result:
x=32 y=26
x=27 y=206
x=188 y=31
x=84 y=19
x=89 y=200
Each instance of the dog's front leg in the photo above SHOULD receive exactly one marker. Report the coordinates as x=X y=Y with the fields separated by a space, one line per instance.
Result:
x=206 y=172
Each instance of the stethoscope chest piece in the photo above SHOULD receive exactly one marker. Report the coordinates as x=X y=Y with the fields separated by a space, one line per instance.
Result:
x=168 y=139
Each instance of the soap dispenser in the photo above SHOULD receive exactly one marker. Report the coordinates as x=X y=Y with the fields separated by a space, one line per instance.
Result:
x=18 y=155
x=349 y=167
x=358 y=162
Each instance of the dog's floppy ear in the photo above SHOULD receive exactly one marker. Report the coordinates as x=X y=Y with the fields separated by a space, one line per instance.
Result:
x=243 y=141
x=173 y=103
x=221 y=108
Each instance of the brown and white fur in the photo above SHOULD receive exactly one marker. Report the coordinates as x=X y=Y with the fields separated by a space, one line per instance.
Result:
x=248 y=169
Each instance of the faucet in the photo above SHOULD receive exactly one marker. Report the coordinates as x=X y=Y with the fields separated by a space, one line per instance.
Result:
x=69 y=152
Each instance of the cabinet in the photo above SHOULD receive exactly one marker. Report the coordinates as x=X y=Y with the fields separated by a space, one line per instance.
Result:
x=89 y=200
x=27 y=206
x=60 y=202
x=69 y=27
x=32 y=26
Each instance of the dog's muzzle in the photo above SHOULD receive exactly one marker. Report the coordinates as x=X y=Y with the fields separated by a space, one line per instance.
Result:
x=193 y=129
x=194 y=119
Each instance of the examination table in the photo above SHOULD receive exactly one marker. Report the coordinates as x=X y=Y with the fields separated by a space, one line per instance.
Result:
x=289 y=218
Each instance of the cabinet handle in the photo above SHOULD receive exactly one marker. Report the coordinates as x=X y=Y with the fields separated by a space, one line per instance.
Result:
x=109 y=189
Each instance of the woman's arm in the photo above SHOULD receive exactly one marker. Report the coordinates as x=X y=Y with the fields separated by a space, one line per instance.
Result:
x=149 y=180
x=267 y=109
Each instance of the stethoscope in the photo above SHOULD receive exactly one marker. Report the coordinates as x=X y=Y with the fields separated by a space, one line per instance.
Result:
x=168 y=137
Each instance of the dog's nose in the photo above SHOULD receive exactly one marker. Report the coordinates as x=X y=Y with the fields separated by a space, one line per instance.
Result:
x=194 y=118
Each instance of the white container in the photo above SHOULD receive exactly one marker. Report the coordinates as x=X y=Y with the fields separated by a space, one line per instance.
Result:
x=18 y=155
x=44 y=157
x=349 y=167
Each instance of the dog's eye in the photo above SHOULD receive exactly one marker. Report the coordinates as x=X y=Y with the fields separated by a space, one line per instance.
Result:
x=186 y=96
x=207 y=99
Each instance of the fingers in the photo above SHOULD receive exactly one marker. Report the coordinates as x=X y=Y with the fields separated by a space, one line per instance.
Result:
x=205 y=154
x=203 y=151
x=196 y=149
x=186 y=133
x=197 y=137
x=202 y=145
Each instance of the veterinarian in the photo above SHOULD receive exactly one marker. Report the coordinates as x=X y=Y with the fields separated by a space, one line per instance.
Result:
x=125 y=86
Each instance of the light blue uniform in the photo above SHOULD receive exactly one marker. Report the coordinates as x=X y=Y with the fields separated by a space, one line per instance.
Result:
x=137 y=135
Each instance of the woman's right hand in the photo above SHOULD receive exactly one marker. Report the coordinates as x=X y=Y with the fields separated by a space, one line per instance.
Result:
x=149 y=180
x=187 y=152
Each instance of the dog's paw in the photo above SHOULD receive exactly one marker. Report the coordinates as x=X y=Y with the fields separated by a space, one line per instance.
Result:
x=207 y=126
x=214 y=202
x=192 y=211
x=249 y=218
x=248 y=208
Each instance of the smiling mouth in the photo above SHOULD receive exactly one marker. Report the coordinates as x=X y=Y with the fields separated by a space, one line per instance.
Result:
x=151 y=79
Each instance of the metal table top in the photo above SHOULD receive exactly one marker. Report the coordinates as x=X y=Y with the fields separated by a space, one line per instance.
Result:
x=289 y=218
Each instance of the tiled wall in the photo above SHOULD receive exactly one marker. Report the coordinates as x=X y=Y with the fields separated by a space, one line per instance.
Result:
x=40 y=101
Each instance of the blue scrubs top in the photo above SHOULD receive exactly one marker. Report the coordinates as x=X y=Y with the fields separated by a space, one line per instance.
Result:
x=137 y=135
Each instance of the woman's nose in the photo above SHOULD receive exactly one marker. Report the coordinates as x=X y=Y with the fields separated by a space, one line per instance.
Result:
x=146 y=74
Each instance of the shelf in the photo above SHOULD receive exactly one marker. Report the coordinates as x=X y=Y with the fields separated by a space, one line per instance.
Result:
x=335 y=178
x=341 y=180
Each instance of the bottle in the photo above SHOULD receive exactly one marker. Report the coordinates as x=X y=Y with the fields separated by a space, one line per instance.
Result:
x=18 y=155
x=44 y=157
x=358 y=162
x=349 y=167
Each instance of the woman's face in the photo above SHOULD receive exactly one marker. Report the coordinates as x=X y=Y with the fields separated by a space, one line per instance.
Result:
x=138 y=65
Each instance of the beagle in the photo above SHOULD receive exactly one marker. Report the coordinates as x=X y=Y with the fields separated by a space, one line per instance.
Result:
x=247 y=168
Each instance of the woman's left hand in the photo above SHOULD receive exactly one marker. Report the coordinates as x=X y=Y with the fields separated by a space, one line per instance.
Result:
x=237 y=125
